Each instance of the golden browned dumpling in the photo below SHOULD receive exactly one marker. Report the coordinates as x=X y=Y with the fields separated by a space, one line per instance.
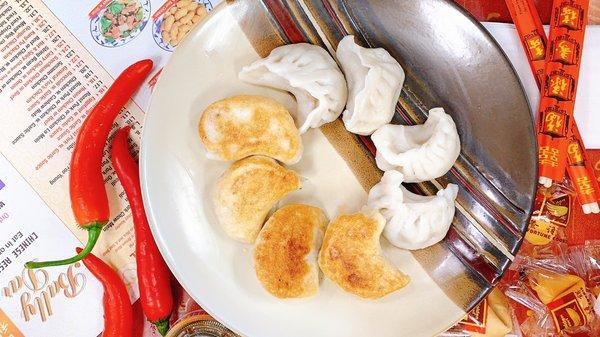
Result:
x=351 y=256
x=285 y=255
x=247 y=191
x=242 y=126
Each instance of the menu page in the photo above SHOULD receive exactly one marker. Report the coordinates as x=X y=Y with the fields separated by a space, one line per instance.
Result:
x=57 y=59
x=40 y=302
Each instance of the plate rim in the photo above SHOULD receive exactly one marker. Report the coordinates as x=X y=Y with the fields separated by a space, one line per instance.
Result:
x=163 y=247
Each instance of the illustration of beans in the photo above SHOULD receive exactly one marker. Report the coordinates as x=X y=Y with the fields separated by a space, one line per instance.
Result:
x=183 y=3
x=168 y=23
x=166 y=36
x=188 y=18
x=192 y=7
x=179 y=20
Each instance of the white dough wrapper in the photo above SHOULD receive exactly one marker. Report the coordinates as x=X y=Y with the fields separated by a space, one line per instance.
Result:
x=421 y=152
x=413 y=221
x=375 y=80
x=310 y=74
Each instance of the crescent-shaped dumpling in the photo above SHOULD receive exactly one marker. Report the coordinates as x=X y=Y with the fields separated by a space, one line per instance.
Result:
x=421 y=152
x=310 y=74
x=285 y=253
x=247 y=191
x=242 y=126
x=413 y=221
x=375 y=80
x=351 y=256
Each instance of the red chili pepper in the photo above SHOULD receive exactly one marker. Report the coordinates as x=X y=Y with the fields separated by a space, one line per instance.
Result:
x=86 y=183
x=118 y=313
x=153 y=273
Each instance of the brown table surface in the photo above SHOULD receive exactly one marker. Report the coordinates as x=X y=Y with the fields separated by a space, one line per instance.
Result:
x=594 y=12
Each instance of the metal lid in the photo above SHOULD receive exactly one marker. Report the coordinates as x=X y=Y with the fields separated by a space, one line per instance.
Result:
x=201 y=325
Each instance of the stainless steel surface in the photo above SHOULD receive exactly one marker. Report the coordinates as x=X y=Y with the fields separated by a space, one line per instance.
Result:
x=451 y=61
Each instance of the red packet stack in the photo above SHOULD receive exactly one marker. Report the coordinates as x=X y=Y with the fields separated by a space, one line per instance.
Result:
x=552 y=288
x=531 y=32
x=496 y=10
x=555 y=63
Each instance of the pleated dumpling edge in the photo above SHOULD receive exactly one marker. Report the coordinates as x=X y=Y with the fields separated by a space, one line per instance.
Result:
x=310 y=74
x=421 y=152
x=375 y=81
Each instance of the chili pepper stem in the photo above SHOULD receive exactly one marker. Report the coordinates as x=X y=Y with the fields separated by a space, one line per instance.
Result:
x=162 y=326
x=94 y=231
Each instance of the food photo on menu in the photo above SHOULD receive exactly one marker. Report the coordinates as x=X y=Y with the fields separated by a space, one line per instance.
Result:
x=273 y=168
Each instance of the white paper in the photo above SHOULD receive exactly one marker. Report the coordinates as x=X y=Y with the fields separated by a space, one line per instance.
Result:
x=28 y=229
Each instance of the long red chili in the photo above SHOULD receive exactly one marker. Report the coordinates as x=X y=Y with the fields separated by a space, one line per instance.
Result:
x=153 y=273
x=118 y=313
x=86 y=183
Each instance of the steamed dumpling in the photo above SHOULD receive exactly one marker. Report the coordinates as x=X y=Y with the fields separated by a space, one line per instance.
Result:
x=421 y=152
x=310 y=74
x=413 y=221
x=375 y=80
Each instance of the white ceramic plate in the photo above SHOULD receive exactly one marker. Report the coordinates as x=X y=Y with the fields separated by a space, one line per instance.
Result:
x=448 y=278
x=217 y=271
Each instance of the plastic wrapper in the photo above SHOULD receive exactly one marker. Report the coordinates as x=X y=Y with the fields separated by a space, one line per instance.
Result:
x=490 y=318
x=551 y=297
x=550 y=217
x=587 y=261
x=592 y=266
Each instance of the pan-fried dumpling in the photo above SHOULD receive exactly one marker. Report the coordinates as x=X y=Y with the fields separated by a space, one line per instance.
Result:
x=375 y=80
x=351 y=256
x=247 y=191
x=421 y=152
x=310 y=74
x=413 y=221
x=285 y=252
x=240 y=126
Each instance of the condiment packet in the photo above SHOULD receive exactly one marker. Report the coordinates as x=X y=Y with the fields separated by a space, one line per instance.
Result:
x=550 y=217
